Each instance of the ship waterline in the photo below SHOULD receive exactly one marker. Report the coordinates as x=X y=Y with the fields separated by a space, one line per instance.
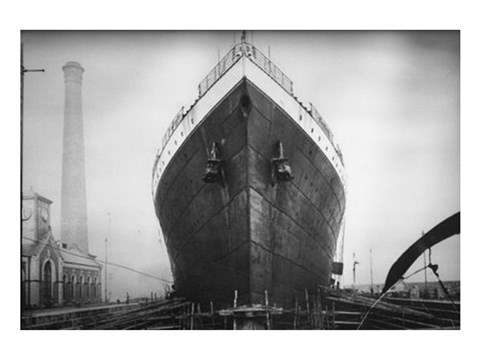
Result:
x=249 y=231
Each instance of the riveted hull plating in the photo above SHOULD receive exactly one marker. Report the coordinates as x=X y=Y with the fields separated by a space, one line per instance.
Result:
x=249 y=235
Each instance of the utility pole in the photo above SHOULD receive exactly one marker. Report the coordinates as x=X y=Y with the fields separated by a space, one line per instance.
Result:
x=106 y=269
x=22 y=73
x=371 y=273
x=106 y=258
x=355 y=263
x=425 y=268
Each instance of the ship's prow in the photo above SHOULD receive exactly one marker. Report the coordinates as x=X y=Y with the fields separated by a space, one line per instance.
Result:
x=249 y=196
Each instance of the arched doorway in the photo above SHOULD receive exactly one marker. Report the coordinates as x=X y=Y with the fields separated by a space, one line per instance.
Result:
x=47 y=284
x=24 y=289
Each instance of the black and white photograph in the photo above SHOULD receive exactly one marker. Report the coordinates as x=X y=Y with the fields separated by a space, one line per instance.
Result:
x=306 y=169
x=240 y=180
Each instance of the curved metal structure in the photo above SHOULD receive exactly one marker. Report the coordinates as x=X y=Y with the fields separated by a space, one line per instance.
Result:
x=444 y=230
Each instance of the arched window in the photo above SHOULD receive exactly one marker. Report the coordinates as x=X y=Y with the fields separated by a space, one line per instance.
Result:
x=80 y=285
x=74 y=287
x=85 y=293
x=94 y=288
x=47 y=284
x=70 y=289
x=87 y=288
x=64 y=287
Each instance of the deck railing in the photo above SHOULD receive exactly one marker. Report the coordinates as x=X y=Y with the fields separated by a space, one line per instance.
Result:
x=319 y=120
x=221 y=68
x=256 y=57
x=172 y=127
x=270 y=68
x=323 y=125
x=265 y=64
x=225 y=64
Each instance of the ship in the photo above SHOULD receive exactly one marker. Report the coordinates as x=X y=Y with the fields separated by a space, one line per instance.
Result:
x=249 y=188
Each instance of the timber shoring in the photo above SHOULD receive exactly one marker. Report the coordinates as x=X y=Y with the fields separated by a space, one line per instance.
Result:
x=330 y=310
x=138 y=317
x=389 y=314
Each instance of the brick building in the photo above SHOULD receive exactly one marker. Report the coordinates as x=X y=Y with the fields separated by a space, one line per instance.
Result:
x=53 y=273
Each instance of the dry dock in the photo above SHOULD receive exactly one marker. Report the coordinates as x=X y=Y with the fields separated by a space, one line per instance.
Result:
x=325 y=310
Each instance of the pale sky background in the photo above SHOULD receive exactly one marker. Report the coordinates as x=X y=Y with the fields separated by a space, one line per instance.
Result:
x=392 y=100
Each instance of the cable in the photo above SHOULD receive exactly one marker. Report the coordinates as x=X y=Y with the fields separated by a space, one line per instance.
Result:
x=384 y=294
x=100 y=261
x=434 y=269
x=215 y=262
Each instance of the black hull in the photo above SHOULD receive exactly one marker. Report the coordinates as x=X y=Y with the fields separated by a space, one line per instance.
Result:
x=249 y=235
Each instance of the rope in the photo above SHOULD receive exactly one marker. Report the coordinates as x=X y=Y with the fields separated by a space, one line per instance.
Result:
x=434 y=268
x=384 y=294
x=445 y=290
x=98 y=260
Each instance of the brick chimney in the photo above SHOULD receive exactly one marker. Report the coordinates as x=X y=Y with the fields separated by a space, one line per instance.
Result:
x=74 y=203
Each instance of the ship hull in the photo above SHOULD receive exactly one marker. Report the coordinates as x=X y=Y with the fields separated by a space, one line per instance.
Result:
x=249 y=235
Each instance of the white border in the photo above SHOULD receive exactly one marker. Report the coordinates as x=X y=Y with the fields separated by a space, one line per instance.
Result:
x=356 y=15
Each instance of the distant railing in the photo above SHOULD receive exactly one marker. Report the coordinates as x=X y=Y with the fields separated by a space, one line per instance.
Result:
x=172 y=127
x=319 y=120
x=323 y=125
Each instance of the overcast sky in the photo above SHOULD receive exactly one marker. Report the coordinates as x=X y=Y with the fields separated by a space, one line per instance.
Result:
x=392 y=100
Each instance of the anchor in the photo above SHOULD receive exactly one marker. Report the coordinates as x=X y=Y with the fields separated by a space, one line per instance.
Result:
x=214 y=171
x=281 y=170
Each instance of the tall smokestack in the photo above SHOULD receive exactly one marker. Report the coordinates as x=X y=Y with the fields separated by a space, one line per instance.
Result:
x=74 y=203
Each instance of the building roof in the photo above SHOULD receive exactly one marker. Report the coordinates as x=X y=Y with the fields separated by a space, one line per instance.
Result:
x=30 y=194
x=73 y=256
x=33 y=247
x=30 y=248
x=70 y=254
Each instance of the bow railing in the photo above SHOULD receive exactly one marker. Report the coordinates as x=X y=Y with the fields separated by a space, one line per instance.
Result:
x=269 y=68
x=220 y=69
x=266 y=65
